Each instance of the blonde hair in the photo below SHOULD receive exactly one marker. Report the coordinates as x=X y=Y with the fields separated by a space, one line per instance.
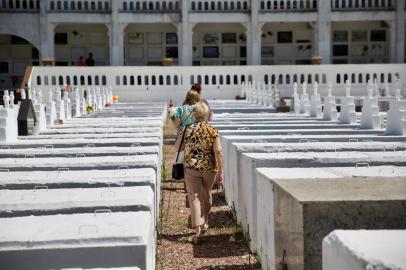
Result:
x=192 y=97
x=201 y=111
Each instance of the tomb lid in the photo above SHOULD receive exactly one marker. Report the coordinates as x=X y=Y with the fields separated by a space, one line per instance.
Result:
x=342 y=189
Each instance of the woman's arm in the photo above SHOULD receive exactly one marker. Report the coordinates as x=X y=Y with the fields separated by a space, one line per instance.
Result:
x=177 y=122
x=178 y=140
x=218 y=153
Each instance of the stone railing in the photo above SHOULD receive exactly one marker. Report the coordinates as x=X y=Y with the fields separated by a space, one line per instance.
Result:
x=288 y=5
x=19 y=5
x=164 y=83
x=82 y=6
x=141 y=6
x=220 y=6
x=360 y=5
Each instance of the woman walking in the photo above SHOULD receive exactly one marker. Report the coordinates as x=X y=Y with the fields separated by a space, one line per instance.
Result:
x=183 y=115
x=203 y=163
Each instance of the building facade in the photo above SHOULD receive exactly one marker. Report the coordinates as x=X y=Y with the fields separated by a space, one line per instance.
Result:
x=198 y=32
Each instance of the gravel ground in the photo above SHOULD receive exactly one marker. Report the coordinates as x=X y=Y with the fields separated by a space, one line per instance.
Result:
x=223 y=247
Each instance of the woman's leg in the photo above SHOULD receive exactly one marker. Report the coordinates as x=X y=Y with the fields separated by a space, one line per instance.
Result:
x=194 y=183
x=208 y=180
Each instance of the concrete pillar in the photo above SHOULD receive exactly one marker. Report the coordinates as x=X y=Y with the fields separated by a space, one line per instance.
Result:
x=400 y=32
x=254 y=33
x=392 y=41
x=47 y=33
x=323 y=32
x=185 y=37
x=116 y=36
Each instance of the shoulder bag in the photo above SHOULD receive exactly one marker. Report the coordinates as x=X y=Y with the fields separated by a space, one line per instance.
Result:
x=177 y=168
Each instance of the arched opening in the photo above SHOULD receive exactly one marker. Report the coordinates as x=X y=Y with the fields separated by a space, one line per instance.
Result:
x=16 y=54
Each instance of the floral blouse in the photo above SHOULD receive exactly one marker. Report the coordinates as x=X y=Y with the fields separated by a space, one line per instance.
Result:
x=198 y=143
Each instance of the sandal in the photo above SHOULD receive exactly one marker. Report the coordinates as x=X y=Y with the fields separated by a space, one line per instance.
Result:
x=204 y=228
x=196 y=240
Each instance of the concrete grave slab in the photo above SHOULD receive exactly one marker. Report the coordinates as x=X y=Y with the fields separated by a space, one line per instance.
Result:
x=245 y=185
x=103 y=124
x=226 y=141
x=82 y=142
x=44 y=201
x=364 y=249
x=106 y=240
x=263 y=229
x=305 y=211
x=101 y=130
x=79 y=179
x=284 y=125
x=78 y=151
x=92 y=136
x=236 y=149
x=80 y=163
x=315 y=131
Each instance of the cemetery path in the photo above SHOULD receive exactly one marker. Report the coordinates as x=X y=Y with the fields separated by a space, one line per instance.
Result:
x=223 y=247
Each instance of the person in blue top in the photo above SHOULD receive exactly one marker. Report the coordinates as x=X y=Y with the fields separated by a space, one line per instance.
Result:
x=183 y=114
x=198 y=88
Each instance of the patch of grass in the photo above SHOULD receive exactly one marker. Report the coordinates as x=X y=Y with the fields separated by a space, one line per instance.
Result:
x=182 y=222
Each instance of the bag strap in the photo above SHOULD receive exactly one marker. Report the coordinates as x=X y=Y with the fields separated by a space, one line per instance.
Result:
x=181 y=143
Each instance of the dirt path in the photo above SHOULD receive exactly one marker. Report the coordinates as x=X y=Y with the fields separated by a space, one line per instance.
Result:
x=223 y=247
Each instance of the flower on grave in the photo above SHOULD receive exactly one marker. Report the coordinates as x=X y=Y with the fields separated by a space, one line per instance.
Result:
x=89 y=108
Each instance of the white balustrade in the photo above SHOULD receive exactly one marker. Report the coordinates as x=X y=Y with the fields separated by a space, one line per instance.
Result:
x=288 y=5
x=220 y=6
x=85 y=6
x=20 y=5
x=342 y=5
x=149 y=83
x=141 y=6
